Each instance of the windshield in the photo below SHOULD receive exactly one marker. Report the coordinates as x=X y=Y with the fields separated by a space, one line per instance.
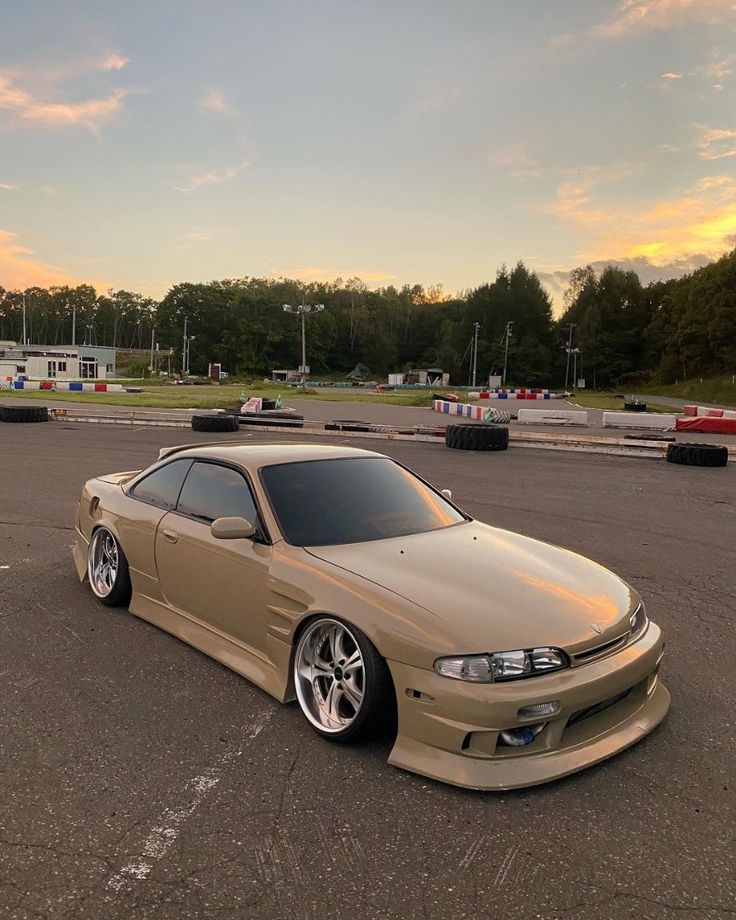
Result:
x=351 y=500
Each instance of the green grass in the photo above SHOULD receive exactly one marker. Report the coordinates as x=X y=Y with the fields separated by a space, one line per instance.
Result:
x=719 y=390
x=608 y=401
x=219 y=397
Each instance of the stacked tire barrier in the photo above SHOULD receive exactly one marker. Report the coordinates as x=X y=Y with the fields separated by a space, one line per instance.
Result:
x=709 y=412
x=502 y=393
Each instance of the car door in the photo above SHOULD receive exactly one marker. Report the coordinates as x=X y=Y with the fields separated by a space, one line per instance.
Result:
x=222 y=583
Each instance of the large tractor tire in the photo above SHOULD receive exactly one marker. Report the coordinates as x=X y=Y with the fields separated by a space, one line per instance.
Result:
x=477 y=437
x=697 y=454
x=218 y=422
x=24 y=414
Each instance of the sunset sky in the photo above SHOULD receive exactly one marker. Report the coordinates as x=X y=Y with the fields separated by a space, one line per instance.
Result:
x=422 y=141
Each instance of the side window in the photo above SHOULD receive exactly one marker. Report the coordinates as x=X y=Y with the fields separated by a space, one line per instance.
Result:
x=213 y=491
x=162 y=487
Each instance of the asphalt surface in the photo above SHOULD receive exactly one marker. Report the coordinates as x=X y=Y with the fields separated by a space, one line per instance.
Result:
x=140 y=779
x=391 y=414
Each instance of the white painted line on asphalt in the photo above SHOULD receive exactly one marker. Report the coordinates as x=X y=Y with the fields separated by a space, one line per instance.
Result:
x=164 y=833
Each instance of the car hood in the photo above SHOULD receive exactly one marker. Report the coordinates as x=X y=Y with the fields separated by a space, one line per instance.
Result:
x=496 y=590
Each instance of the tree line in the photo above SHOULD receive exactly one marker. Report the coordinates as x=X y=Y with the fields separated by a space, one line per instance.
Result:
x=621 y=330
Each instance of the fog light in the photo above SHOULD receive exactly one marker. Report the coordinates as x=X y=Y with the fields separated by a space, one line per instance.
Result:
x=518 y=737
x=539 y=709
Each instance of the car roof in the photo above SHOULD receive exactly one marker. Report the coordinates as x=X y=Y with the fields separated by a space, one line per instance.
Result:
x=254 y=456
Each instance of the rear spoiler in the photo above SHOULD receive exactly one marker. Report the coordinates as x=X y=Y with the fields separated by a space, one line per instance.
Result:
x=169 y=451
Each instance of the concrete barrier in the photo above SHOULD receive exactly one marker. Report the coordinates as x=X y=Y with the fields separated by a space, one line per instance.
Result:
x=709 y=412
x=552 y=417
x=658 y=422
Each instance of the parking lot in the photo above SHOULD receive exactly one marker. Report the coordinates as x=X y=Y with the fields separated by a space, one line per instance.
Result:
x=142 y=779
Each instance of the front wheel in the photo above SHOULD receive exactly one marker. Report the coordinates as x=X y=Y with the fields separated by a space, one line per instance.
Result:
x=107 y=569
x=342 y=684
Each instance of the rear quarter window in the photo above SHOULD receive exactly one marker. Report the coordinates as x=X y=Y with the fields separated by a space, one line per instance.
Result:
x=161 y=488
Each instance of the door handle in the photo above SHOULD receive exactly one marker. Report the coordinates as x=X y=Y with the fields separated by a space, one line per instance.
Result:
x=171 y=536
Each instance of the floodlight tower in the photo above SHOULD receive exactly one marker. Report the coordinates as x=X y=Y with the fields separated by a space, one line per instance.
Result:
x=303 y=309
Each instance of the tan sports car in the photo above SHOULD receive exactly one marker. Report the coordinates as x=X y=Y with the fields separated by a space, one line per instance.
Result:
x=340 y=578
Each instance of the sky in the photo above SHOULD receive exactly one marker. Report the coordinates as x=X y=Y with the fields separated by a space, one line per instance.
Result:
x=401 y=141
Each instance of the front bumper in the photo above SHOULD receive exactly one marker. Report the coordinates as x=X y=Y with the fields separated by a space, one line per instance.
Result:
x=449 y=730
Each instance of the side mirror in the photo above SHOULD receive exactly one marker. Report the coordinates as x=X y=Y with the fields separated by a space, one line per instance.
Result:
x=232 y=528
x=447 y=493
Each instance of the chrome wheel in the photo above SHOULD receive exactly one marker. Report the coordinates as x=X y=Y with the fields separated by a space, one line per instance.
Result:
x=329 y=675
x=103 y=563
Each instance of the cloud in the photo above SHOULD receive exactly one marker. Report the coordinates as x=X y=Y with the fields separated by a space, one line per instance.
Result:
x=575 y=194
x=203 y=234
x=556 y=281
x=212 y=177
x=516 y=160
x=635 y=17
x=671 y=76
x=213 y=100
x=6 y=187
x=321 y=274
x=19 y=270
x=716 y=143
x=31 y=98
x=694 y=224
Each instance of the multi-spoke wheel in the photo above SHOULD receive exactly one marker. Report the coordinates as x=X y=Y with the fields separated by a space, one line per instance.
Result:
x=107 y=569
x=342 y=683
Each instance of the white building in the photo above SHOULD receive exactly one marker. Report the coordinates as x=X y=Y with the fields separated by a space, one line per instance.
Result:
x=56 y=362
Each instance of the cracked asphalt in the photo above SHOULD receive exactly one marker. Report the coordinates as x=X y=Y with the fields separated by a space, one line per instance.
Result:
x=140 y=779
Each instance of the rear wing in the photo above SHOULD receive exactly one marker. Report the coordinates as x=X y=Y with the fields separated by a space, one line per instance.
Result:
x=170 y=451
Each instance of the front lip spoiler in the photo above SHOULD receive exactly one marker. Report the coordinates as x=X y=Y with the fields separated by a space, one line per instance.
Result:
x=518 y=773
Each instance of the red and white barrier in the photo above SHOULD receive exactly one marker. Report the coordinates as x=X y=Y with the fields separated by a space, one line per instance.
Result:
x=709 y=412
x=707 y=424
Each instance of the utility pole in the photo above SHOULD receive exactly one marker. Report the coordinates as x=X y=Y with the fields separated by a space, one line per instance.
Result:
x=74 y=324
x=303 y=309
x=184 y=352
x=153 y=334
x=570 y=327
x=475 y=351
x=24 y=319
x=509 y=327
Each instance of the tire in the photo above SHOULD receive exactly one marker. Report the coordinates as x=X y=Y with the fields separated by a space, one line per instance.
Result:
x=648 y=437
x=697 y=454
x=214 y=423
x=255 y=420
x=366 y=697
x=267 y=404
x=276 y=413
x=112 y=587
x=477 y=437
x=24 y=414
x=635 y=407
x=347 y=424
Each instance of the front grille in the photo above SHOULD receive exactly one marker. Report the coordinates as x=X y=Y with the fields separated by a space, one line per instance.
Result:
x=598 y=707
x=603 y=649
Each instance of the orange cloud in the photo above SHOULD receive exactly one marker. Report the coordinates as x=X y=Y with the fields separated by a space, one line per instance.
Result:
x=716 y=143
x=638 y=16
x=699 y=222
x=517 y=160
x=30 y=97
x=19 y=270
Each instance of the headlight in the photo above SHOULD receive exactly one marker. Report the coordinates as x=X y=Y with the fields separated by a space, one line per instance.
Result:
x=485 y=669
x=638 y=621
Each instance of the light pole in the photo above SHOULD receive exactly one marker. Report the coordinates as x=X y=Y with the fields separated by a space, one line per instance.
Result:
x=509 y=327
x=24 y=319
x=303 y=309
x=575 y=352
x=184 y=352
x=153 y=335
x=475 y=351
x=570 y=327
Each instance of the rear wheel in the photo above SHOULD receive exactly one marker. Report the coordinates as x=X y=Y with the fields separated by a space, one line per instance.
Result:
x=107 y=569
x=342 y=684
